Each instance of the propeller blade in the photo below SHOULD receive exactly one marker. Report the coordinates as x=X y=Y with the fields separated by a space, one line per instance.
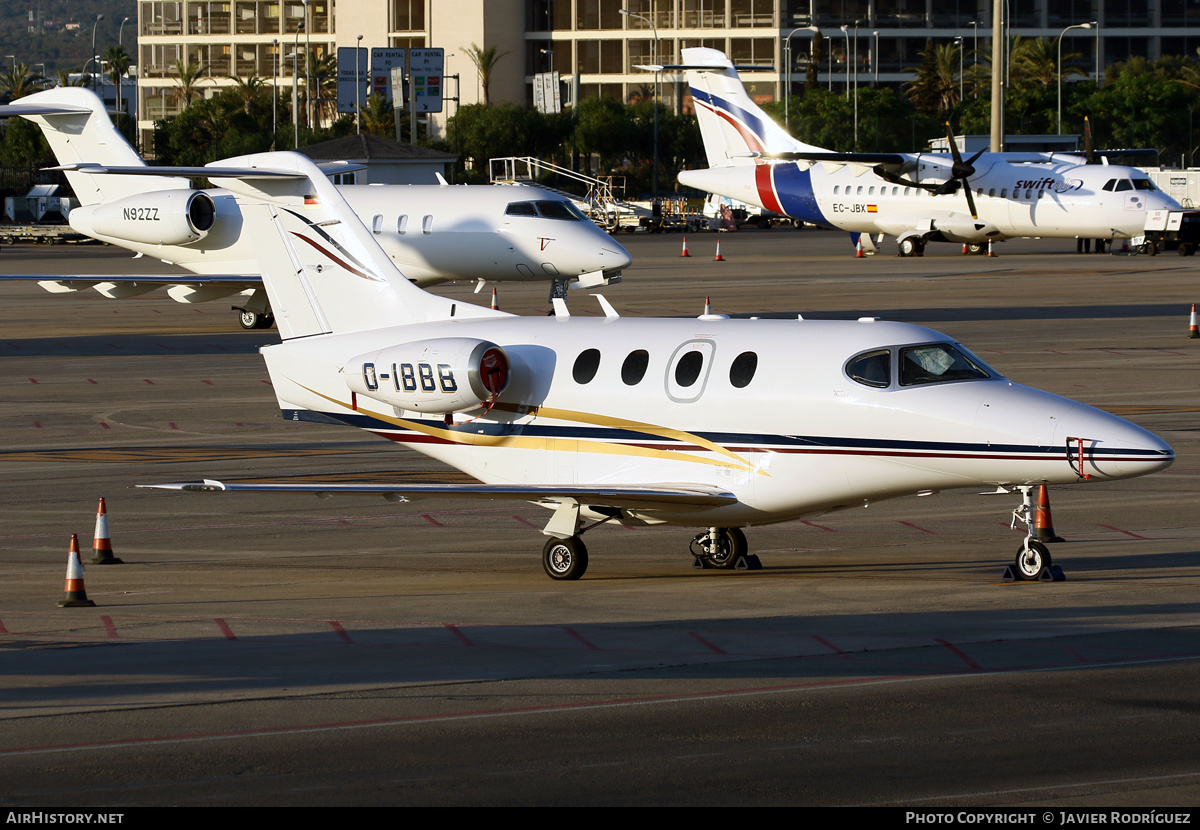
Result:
x=970 y=201
x=1088 y=151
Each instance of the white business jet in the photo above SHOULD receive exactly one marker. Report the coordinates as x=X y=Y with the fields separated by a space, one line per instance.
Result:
x=710 y=422
x=916 y=197
x=434 y=233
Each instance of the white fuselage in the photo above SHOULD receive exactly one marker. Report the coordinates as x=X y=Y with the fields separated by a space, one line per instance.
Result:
x=433 y=234
x=771 y=414
x=1014 y=198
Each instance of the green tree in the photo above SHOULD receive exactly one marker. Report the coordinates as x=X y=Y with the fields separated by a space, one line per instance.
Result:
x=189 y=75
x=18 y=81
x=485 y=61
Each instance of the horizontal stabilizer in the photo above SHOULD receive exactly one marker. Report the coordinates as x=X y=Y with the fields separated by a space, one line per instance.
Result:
x=243 y=173
x=631 y=497
x=13 y=110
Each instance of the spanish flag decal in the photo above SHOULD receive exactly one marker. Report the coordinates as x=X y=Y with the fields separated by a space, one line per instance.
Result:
x=872 y=209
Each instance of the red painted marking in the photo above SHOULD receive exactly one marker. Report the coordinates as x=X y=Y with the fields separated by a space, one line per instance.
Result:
x=1074 y=653
x=916 y=527
x=1126 y=532
x=341 y=632
x=171 y=425
x=818 y=527
x=581 y=638
x=207 y=382
x=89 y=380
x=1168 y=351
x=225 y=630
x=3 y=630
x=525 y=522
x=957 y=652
x=104 y=425
x=713 y=648
x=1053 y=351
x=37 y=424
x=267 y=382
x=827 y=644
x=238 y=424
x=147 y=380
x=1113 y=351
x=33 y=380
x=431 y=520
x=110 y=628
x=462 y=638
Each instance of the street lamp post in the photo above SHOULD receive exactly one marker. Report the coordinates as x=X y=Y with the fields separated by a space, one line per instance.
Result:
x=308 y=66
x=1059 y=67
x=856 y=24
x=358 y=87
x=846 y=32
x=274 y=90
x=655 y=61
x=295 y=56
x=958 y=41
x=787 y=44
x=99 y=17
x=876 y=61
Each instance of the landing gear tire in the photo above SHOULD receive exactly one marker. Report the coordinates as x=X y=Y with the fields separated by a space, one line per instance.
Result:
x=911 y=247
x=1032 y=559
x=249 y=319
x=267 y=320
x=730 y=546
x=976 y=248
x=565 y=558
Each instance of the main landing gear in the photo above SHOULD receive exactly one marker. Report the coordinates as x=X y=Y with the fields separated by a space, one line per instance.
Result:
x=255 y=319
x=912 y=246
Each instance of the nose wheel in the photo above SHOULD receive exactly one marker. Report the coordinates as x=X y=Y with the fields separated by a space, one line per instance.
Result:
x=1032 y=559
x=721 y=548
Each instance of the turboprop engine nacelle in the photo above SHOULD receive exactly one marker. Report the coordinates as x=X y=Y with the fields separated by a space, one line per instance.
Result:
x=158 y=217
x=442 y=376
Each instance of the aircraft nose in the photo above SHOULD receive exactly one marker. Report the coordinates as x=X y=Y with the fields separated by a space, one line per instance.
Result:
x=615 y=256
x=1103 y=445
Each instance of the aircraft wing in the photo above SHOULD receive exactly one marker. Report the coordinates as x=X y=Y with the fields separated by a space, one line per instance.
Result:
x=11 y=110
x=896 y=159
x=245 y=173
x=637 y=496
x=158 y=279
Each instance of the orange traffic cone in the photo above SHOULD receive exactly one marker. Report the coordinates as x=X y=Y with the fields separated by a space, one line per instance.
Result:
x=858 y=249
x=965 y=250
x=991 y=252
x=1043 y=524
x=76 y=595
x=718 y=257
x=684 y=252
x=707 y=306
x=102 y=553
x=495 y=304
x=1193 y=331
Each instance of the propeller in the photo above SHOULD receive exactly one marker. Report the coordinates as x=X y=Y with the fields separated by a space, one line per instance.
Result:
x=962 y=170
x=1089 y=151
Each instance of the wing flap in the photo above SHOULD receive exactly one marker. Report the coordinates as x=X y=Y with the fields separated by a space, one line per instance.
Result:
x=665 y=497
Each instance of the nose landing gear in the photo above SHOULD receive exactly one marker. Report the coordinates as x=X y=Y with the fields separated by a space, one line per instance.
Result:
x=724 y=548
x=1033 y=558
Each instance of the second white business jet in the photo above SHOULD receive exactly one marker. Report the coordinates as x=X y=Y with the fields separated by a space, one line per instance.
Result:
x=434 y=233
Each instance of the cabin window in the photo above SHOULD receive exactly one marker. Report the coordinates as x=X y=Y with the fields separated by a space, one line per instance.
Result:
x=634 y=367
x=1029 y=194
x=586 y=366
x=1004 y=193
x=906 y=193
x=871 y=191
x=741 y=372
x=836 y=189
x=895 y=191
x=687 y=370
x=1124 y=184
x=1041 y=194
x=939 y=363
x=871 y=369
x=520 y=209
x=402 y=224
x=991 y=192
x=427 y=223
x=377 y=224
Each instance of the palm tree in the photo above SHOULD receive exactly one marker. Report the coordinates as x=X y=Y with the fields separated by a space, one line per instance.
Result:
x=190 y=75
x=935 y=89
x=378 y=117
x=248 y=90
x=19 y=82
x=118 y=67
x=322 y=69
x=485 y=61
x=1035 y=61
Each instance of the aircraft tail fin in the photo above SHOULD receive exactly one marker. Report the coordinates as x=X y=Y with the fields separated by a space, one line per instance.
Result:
x=322 y=268
x=732 y=125
x=77 y=128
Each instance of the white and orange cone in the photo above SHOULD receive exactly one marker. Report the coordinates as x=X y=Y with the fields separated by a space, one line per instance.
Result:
x=102 y=552
x=76 y=596
x=718 y=257
x=707 y=306
x=495 y=302
x=684 y=252
x=1193 y=330
x=858 y=249
x=1043 y=522
x=991 y=250
x=966 y=250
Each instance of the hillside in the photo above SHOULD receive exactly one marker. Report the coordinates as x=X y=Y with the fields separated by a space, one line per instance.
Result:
x=60 y=45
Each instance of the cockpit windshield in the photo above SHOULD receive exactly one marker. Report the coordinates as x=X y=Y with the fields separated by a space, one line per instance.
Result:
x=546 y=209
x=917 y=366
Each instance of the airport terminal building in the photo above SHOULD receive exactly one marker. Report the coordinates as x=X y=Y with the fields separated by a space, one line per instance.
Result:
x=596 y=45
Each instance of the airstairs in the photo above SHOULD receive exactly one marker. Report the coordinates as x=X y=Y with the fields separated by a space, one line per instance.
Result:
x=600 y=202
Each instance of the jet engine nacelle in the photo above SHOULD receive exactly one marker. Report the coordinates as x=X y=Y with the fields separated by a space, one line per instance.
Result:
x=157 y=217
x=442 y=376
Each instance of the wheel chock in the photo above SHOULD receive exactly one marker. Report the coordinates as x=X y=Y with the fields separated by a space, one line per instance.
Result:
x=1052 y=573
x=698 y=563
x=749 y=562
x=1009 y=574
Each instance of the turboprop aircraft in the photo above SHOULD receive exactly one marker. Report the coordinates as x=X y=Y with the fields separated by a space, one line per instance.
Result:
x=916 y=197
x=712 y=422
x=434 y=233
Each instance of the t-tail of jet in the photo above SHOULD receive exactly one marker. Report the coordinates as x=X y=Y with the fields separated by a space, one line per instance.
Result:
x=732 y=125
x=79 y=132
x=323 y=270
